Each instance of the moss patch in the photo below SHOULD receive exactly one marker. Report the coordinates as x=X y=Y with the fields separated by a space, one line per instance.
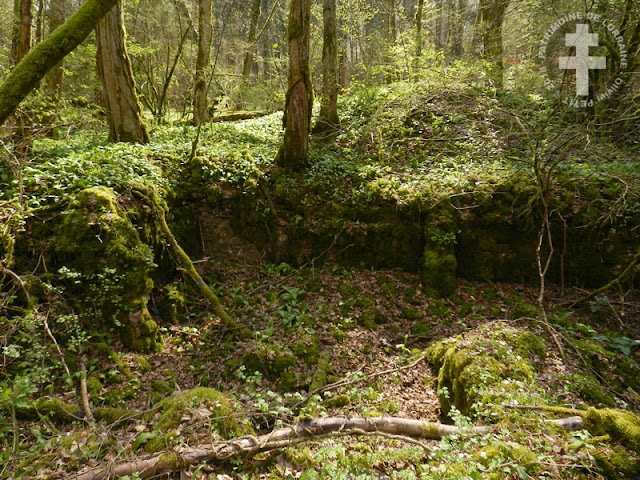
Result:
x=97 y=240
x=475 y=369
x=219 y=404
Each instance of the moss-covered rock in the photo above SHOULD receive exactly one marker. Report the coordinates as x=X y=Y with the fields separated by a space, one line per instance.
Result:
x=308 y=349
x=320 y=377
x=94 y=386
x=439 y=262
x=172 y=410
x=97 y=240
x=270 y=360
x=473 y=369
x=143 y=363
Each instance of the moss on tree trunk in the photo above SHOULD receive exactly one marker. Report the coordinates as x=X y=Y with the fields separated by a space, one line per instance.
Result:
x=44 y=56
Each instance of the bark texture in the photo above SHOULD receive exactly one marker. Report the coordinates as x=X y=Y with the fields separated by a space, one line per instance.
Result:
x=249 y=60
x=22 y=29
x=118 y=88
x=492 y=15
x=297 y=111
x=44 y=56
x=328 y=118
x=55 y=76
x=205 y=37
x=419 y=15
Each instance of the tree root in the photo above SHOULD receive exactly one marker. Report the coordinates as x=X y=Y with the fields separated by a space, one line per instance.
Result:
x=149 y=194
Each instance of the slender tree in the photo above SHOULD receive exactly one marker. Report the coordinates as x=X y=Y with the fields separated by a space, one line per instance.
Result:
x=44 y=56
x=492 y=15
x=203 y=60
x=22 y=29
x=124 y=113
x=54 y=78
x=297 y=111
x=22 y=32
x=419 y=15
x=254 y=16
x=328 y=118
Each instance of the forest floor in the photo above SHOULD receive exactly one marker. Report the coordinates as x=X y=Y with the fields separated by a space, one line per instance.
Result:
x=325 y=320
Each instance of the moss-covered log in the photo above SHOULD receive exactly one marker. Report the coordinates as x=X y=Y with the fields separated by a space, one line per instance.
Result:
x=45 y=55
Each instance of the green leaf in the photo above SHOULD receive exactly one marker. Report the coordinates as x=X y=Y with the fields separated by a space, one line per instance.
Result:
x=144 y=437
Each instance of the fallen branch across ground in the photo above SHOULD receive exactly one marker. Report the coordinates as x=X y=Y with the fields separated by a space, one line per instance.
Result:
x=403 y=429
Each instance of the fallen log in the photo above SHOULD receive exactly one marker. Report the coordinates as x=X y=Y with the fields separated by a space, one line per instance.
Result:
x=395 y=428
x=232 y=117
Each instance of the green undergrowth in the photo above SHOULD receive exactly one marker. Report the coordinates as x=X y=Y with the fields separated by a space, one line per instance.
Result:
x=391 y=245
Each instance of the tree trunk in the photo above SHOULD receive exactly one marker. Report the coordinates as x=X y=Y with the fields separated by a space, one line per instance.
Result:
x=439 y=25
x=118 y=88
x=39 y=22
x=44 y=56
x=21 y=138
x=455 y=27
x=205 y=37
x=22 y=30
x=55 y=76
x=329 y=108
x=297 y=111
x=419 y=14
x=492 y=12
x=249 y=60
x=392 y=29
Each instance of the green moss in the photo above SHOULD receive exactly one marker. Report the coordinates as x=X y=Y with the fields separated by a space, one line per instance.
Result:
x=410 y=314
x=617 y=463
x=439 y=263
x=112 y=415
x=389 y=289
x=320 y=377
x=94 y=386
x=161 y=443
x=143 y=363
x=338 y=401
x=96 y=239
x=501 y=453
x=438 y=309
x=472 y=370
x=620 y=425
x=115 y=358
x=589 y=389
x=373 y=317
x=523 y=309
x=308 y=349
x=270 y=360
x=52 y=408
x=119 y=396
x=226 y=424
x=422 y=329
x=410 y=295
x=173 y=306
x=465 y=309
x=527 y=343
